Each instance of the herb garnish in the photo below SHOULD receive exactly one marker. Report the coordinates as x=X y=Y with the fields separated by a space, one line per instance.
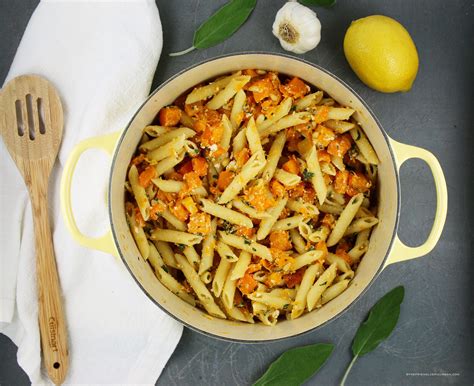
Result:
x=307 y=175
x=296 y=365
x=227 y=227
x=382 y=319
x=221 y=25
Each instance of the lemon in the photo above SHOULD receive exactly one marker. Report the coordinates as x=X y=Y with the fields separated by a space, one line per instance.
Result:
x=382 y=53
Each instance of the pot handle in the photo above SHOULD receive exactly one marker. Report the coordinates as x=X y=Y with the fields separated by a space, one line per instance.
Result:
x=103 y=243
x=400 y=251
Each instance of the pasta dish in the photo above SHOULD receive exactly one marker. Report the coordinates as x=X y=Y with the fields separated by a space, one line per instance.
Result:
x=252 y=197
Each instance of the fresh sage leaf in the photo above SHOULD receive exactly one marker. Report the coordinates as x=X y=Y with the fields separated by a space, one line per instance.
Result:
x=295 y=366
x=382 y=319
x=378 y=326
x=324 y=3
x=221 y=25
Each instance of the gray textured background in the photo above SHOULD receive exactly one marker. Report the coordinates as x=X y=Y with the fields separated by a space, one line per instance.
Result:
x=434 y=333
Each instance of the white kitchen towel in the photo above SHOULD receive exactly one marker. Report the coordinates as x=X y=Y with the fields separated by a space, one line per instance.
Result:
x=101 y=56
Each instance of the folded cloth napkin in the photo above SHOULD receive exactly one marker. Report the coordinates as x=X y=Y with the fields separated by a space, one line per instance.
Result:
x=101 y=56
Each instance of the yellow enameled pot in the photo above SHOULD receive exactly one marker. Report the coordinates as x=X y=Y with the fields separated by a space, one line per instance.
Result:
x=385 y=246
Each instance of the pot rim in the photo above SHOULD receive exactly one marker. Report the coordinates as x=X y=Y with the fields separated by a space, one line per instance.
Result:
x=156 y=90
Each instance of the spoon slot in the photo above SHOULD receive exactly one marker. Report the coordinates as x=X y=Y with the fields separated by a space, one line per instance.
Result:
x=29 y=112
x=39 y=104
x=19 y=118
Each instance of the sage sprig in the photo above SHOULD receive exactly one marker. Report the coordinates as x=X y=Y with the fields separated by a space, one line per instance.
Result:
x=221 y=25
x=295 y=366
x=382 y=319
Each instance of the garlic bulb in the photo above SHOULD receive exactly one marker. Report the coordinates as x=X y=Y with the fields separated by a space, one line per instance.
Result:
x=297 y=27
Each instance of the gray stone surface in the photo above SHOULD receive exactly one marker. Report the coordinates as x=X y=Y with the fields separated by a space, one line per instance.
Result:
x=434 y=334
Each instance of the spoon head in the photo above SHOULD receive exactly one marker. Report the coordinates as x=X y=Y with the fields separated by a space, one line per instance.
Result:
x=31 y=119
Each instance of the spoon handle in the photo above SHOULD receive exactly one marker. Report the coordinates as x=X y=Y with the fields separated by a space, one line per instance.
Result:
x=50 y=310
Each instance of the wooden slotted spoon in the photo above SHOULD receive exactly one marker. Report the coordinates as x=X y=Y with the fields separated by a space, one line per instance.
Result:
x=31 y=124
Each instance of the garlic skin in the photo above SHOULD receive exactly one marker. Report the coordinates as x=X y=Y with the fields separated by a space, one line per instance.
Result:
x=297 y=27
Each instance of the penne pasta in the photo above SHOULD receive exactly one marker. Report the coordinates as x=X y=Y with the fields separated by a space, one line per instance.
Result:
x=176 y=237
x=191 y=148
x=228 y=291
x=173 y=220
x=305 y=208
x=169 y=186
x=225 y=213
x=222 y=97
x=139 y=192
x=361 y=224
x=237 y=113
x=267 y=223
x=167 y=137
x=206 y=277
x=267 y=316
x=221 y=274
x=298 y=242
x=166 y=252
x=287 y=179
x=341 y=264
x=251 y=168
x=364 y=145
x=320 y=234
x=246 y=245
x=288 y=223
x=241 y=265
x=227 y=132
x=208 y=247
x=168 y=163
x=199 y=287
x=239 y=142
x=338 y=162
x=309 y=100
x=360 y=247
x=225 y=252
x=285 y=122
x=345 y=219
x=253 y=139
x=170 y=149
x=191 y=255
x=323 y=282
x=340 y=113
x=165 y=278
x=309 y=277
x=252 y=212
x=209 y=90
x=139 y=236
x=253 y=201
x=333 y=291
x=274 y=299
x=282 y=110
x=316 y=175
x=306 y=258
x=155 y=131
x=273 y=156
x=339 y=126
